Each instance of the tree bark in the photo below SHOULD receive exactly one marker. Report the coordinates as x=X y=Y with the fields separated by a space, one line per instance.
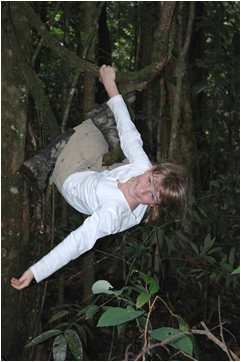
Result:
x=18 y=307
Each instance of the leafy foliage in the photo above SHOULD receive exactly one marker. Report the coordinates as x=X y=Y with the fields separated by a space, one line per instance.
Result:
x=115 y=316
x=182 y=342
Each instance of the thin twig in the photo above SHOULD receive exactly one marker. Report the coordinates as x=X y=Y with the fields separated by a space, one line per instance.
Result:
x=221 y=328
x=112 y=344
x=127 y=353
x=214 y=339
x=161 y=344
x=69 y=100
x=41 y=41
x=184 y=354
x=147 y=323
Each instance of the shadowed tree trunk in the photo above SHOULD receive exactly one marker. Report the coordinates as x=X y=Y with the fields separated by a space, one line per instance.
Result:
x=89 y=15
x=166 y=102
x=18 y=310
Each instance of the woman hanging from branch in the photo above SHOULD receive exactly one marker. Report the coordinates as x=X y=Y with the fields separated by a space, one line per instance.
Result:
x=115 y=199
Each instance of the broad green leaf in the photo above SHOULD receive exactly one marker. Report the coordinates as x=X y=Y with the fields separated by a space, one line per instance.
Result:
x=44 y=337
x=182 y=342
x=59 y=348
x=142 y=299
x=236 y=271
x=102 y=286
x=74 y=344
x=58 y=315
x=114 y=316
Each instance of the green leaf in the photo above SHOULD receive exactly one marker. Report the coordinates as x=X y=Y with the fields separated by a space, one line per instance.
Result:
x=114 y=316
x=236 y=271
x=58 y=315
x=102 y=286
x=152 y=284
x=142 y=299
x=195 y=248
x=210 y=259
x=56 y=31
x=74 y=344
x=91 y=311
x=182 y=342
x=208 y=242
x=214 y=250
x=44 y=337
x=59 y=348
x=183 y=326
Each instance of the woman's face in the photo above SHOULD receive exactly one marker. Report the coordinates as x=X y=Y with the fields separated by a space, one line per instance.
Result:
x=145 y=188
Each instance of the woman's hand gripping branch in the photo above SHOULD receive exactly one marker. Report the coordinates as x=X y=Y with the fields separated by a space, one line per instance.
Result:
x=107 y=77
x=23 y=281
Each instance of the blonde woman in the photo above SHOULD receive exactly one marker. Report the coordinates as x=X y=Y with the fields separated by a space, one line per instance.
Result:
x=115 y=199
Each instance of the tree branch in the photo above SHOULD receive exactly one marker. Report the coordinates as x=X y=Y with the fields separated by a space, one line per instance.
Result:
x=214 y=339
x=33 y=83
x=189 y=29
x=128 y=81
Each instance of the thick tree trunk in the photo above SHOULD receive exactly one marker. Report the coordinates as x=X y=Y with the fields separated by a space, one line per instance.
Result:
x=166 y=101
x=17 y=307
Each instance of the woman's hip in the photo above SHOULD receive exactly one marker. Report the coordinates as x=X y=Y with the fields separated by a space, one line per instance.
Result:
x=84 y=151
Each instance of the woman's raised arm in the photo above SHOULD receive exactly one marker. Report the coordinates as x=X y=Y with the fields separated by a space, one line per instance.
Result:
x=130 y=139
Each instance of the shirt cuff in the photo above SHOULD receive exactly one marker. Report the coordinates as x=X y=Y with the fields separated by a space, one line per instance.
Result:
x=36 y=270
x=114 y=100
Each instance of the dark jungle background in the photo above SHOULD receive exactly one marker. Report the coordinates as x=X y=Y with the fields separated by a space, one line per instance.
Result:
x=177 y=278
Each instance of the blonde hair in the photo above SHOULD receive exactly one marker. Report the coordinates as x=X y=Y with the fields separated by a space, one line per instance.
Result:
x=172 y=188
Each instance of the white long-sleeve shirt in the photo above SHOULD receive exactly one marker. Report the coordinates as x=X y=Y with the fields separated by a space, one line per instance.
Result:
x=97 y=194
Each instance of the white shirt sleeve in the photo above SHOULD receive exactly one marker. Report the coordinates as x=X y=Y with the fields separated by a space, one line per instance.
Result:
x=105 y=221
x=130 y=139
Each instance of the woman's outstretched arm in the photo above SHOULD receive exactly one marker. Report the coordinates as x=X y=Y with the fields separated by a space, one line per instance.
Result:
x=105 y=221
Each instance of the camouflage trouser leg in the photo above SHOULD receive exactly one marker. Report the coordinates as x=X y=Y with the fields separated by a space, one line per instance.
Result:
x=38 y=168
